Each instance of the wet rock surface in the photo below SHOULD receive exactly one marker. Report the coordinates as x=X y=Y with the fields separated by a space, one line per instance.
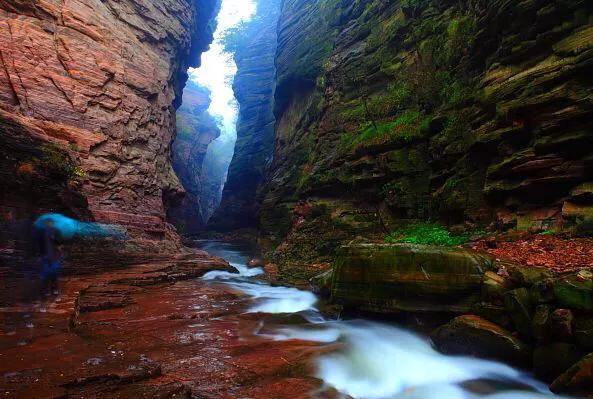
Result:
x=387 y=278
x=472 y=335
x=552 y=360
x=524 y=315
x=577 y=379
x=169 y=337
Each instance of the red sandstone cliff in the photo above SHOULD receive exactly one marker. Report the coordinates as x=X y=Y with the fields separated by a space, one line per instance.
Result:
x=99 y=81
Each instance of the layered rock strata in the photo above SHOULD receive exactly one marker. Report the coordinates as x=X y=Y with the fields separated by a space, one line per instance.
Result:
x=255 y=48
x=93 y=86
x=463 y=112
x=196 y=129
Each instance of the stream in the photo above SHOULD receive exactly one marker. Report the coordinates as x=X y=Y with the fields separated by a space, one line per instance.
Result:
x=371 y=359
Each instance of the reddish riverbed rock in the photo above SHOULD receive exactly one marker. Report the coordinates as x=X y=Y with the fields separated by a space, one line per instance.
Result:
x=185 y=338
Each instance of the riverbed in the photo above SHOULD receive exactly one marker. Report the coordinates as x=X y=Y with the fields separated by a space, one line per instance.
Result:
x=132 y=333
x=368 y=359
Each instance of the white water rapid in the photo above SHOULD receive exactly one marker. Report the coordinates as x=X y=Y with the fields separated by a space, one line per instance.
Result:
x=376 y=361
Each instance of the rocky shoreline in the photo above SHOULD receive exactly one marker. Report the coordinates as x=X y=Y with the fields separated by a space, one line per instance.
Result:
x=534 y=317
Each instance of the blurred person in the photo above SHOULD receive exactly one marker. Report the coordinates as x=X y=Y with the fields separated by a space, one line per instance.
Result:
x=51 y=228
x=50 y=258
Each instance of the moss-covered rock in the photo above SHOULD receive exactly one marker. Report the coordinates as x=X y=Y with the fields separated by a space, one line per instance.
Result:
x=583 y=330
x=494 y=286
x=401 y=277
x=518 y=304
x=575 y=290
x=493 y=313
x=540 y=326
x=526 y=276
x=561 y=321
x=322 y=283
x=446 y=110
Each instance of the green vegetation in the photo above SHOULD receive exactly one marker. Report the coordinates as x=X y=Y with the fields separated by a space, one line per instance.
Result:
x=427 y=233
x=394 y=100
x=56 y=162
x=405 y=127
x=391 y=189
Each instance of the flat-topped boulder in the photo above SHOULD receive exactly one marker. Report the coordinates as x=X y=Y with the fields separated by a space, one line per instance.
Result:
x=387 y=278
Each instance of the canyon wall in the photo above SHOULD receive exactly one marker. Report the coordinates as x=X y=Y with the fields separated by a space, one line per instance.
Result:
x=471 y=113
x=88 y=91
x=196 y=129
x=254 y=45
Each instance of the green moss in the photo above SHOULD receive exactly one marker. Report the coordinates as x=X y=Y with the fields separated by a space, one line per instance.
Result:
x=58 y=163
x=395 y=99
x=427 y=234
x=407 y=126
x=352 y=111
x=547 y=233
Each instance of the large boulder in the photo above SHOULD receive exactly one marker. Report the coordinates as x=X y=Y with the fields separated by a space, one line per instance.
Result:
x=561 y=325
x=540 y=325
x=525 y=275
x=494 y=286
x=322 y=282
x=473 y=335
x=518 y=304
x=387 y=278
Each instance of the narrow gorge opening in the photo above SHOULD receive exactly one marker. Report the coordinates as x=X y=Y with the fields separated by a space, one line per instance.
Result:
x=207 y=122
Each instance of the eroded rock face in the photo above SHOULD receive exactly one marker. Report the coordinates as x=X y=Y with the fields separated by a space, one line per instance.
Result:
x=254 y=90
x=196 y=129
x=453 y=111
x=101 y=80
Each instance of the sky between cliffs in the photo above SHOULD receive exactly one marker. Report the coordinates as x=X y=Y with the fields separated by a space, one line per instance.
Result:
x=217 y=74
x=218 y=68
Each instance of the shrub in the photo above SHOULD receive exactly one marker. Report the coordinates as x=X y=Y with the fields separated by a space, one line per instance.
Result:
x=57 y=163
x=405 y=127
x=428 y=234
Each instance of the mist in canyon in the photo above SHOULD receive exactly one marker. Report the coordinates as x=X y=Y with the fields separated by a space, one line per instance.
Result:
x=207 y=122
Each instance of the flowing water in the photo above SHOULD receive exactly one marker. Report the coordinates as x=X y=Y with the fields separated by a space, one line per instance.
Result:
x=370 y=359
